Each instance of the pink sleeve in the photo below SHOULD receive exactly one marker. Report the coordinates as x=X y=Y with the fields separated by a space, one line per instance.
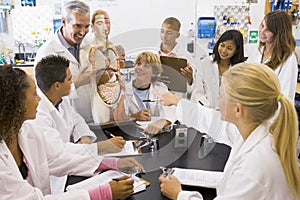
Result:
x=102 y=192
x=108 y=163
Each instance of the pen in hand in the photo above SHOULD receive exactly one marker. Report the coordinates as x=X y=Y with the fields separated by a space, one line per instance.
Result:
x=167 y=171
x=170 y=172
x=109 y=133
x=112 y=135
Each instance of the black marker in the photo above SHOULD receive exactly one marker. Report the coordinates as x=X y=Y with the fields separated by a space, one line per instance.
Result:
x=149 y=100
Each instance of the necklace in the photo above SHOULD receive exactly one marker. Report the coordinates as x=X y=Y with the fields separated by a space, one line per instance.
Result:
x=266 y=56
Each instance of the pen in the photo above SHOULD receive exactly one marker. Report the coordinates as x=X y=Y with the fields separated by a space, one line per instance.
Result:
x=201 y=103
x=109 y=133
x=134 y=146
x=149 y=100
x=167 y=171
x=170 y=172
x=132 y=176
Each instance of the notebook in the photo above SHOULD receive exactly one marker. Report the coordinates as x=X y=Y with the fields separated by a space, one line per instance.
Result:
x=105 y=177
x=171 y=69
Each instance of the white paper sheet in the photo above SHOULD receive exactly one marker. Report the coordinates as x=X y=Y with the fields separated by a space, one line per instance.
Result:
x=128 y=150
x=102 y=179
x=144 y=124
x=196 y=177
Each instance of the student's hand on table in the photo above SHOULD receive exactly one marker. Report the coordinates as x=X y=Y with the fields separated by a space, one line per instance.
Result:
x=111 y=145
x=187 y=72
x=84 y=140
x=170 y=187
x=130 y=166
x=122 y=188
x=142 y=115
x=84 y=77
x=156 y=126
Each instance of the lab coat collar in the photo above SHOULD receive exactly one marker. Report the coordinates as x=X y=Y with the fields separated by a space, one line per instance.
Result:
x=129 y=92
x=241 y=146
x=61 y=50
x=45 y=101
x=27 y=142
x=253 y=139
x=4 y=150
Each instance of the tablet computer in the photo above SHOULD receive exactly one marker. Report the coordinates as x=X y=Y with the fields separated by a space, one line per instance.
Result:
x=171 y=69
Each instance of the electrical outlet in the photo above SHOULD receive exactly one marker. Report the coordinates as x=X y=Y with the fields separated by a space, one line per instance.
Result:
x=181 y=137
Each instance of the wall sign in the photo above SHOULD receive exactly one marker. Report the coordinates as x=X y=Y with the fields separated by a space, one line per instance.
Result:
x=253 y=36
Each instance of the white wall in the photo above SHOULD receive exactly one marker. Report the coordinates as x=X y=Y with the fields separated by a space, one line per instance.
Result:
x=134 y=15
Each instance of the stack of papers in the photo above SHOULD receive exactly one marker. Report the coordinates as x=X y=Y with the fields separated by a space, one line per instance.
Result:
x=128 y=150
x=195 y=177
x=143 y=124
x=103 y=178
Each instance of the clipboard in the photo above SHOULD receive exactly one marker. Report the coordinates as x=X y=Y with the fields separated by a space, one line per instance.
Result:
x=171 y=69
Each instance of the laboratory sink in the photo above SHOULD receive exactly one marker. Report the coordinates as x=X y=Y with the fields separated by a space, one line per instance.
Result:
x=26 y=57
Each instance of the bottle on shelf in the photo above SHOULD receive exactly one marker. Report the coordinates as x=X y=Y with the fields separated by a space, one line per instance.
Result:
x=191 y=35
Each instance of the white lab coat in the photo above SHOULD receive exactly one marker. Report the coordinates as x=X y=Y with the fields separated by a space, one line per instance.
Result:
x=166 y=112
x=206 y=83
x=65 y=120
x=206 y=120
x=44 y=158
x=58 y=126
x=253 y=171
x=287 y=74
x=80 y=98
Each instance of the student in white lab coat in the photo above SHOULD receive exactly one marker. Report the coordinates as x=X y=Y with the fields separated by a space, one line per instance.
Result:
x=66 y=42
x=142 y=104
x=57 y=119
x=228 y=51
x=277 y=49
x=27 y=158
x=262 y=163
x=169 y=33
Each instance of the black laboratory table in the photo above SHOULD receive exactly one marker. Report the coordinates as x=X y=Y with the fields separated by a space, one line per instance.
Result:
x=169 y=156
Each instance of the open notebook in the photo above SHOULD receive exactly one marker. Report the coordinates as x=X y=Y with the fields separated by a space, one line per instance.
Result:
x=195 y=177
x=105 y=177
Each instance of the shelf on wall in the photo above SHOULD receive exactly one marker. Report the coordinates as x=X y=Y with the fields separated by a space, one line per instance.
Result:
x=5 y=6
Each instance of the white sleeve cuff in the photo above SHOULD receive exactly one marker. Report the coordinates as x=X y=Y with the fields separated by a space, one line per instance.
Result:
x=187 y=195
